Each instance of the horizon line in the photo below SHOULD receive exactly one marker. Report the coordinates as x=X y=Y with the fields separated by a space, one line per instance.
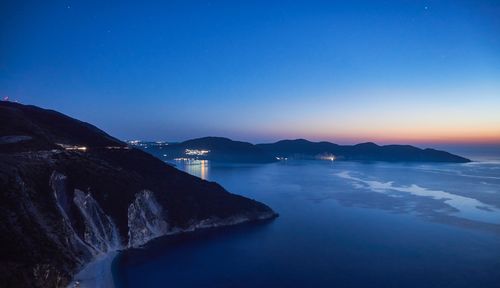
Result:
x=341 y=142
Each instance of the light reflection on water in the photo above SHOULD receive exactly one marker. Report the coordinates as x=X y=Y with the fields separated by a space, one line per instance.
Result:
x=198 y=168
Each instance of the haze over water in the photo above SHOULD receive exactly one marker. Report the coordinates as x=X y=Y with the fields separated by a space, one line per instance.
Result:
x=341 y=224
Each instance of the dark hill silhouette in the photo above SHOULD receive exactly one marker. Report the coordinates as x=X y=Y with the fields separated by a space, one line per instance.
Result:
x=46 y=128
x=369 y=151
x=226 y=150
x=221 y=149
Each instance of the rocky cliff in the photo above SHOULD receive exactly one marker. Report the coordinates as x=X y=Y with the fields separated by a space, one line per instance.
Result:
x=70 y=192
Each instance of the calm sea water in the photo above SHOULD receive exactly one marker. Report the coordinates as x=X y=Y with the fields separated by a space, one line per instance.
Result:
x=341 y=224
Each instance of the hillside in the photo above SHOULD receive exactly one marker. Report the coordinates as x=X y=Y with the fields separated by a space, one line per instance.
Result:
x=69 y=193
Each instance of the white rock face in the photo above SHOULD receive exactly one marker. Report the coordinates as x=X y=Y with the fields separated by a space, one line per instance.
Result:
x=58 y=185
x=146 y=219
x=100 y=231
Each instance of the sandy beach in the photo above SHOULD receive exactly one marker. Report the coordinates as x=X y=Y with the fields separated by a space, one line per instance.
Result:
x=96 y=274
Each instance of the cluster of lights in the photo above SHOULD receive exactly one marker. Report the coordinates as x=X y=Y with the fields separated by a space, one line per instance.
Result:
x=281 y=158
x=186 y=159
x=73 y=147
x=328 y=157
x=145 y=144
x=76 y=148
x=84 y=148
x=196 y=152
x=191 y=160
x=117 y=147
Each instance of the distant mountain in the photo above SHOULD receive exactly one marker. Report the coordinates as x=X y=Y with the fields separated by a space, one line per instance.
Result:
x=304 y=149
x=69 y=192
x=214 y=149
x=226 y=150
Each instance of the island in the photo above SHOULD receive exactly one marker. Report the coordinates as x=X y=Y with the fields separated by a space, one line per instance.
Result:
x=304 y=149
x=219 y=149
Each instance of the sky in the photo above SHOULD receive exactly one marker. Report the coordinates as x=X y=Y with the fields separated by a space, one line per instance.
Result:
x=416 y=72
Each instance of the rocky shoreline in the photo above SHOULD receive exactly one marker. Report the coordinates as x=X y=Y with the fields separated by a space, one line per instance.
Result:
x=70 y=195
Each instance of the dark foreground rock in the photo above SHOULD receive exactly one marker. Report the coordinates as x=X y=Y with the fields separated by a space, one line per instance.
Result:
x=70 y=192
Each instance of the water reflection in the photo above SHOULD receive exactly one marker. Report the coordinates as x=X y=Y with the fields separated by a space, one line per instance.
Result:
x=198 y=168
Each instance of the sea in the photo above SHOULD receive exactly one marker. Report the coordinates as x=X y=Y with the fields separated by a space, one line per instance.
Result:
x=340 y=224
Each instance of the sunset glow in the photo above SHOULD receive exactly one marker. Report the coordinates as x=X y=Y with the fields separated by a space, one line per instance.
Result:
x=411 y=73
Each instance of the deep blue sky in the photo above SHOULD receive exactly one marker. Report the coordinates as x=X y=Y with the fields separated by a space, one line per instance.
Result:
x=346 y=71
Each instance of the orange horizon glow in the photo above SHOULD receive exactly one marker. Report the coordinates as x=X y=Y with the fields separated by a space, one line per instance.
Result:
x=391 y=135
x=422 y=137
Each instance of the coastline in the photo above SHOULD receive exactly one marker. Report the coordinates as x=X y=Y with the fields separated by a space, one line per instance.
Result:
x=97 y=273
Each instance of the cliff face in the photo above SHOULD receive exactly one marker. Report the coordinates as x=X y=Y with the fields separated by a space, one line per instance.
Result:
x=69 y=193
